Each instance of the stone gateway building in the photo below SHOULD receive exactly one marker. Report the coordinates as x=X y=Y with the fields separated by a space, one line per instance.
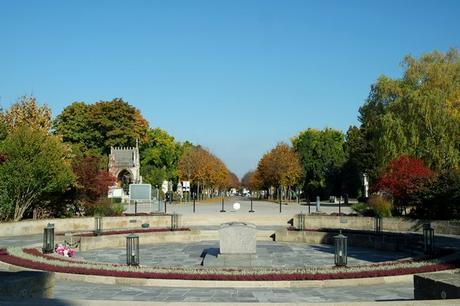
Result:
x=124 y=164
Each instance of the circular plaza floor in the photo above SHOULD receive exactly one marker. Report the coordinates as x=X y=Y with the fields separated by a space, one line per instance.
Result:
x=269 y=254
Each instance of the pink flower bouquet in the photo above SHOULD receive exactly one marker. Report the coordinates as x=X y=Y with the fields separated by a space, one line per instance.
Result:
x=64 y=250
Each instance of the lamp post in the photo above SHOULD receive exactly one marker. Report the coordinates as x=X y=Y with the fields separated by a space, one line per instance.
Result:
x=222 y=210
x=279 y=193
x=428 y=238
x=97 y=225
x=340 y=242
x=252 y=210
x=194 y=197
x=132 y=250
x=48 y=239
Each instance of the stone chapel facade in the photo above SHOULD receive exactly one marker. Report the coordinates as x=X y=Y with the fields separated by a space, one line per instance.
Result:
x=124 y=164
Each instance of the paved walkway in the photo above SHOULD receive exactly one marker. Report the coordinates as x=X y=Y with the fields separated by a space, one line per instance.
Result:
x=269 y=254
x=67 y=290
x=260 y=207
x=75 y=290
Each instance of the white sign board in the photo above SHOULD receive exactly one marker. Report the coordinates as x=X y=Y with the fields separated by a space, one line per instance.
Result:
x=115 y=192
x=140 y=192
x=185 y=185
x=164 y=186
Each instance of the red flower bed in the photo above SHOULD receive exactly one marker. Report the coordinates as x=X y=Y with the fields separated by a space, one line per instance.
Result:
x=224 y=277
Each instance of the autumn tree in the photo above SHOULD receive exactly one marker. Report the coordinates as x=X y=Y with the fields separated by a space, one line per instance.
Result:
x=280 y=167
x=27 y=112
x=91 y=183
x=404 y=179
x=251 y=180
x=35 y=167
x=203 y=168
x=102 y=125
x=232 y=180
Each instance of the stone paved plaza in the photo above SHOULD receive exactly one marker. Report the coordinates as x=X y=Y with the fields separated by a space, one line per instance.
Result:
x=213 y=206
x=280 y=254
x=75 y=290
x=269 y=254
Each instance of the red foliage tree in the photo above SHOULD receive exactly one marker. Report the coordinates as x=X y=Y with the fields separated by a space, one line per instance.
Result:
x=404 y=179
x=92 y=183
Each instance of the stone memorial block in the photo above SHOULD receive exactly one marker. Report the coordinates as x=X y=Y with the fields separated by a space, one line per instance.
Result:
x=237 y=238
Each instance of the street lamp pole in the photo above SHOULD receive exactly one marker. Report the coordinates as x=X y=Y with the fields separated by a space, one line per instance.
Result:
x=252 y=210
x=279 y=193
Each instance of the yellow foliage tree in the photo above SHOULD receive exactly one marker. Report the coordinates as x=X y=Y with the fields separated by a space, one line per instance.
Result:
x=27 y=112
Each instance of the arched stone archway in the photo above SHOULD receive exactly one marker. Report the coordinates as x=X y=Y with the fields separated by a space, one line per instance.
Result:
x=124 y=178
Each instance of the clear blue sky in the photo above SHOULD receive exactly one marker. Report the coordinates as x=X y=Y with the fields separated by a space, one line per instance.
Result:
x=235 y=76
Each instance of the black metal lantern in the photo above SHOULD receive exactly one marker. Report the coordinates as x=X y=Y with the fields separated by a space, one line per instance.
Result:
x=378 y=224
x=340 y=242
x=132 y=250
x=48 y=239
x=97 y=225
x=428 y=238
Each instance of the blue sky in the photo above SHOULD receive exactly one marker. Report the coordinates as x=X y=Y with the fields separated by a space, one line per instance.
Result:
x=234 y=76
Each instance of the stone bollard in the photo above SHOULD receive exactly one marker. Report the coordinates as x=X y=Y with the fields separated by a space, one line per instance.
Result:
x=299 y=221
x=176 y=221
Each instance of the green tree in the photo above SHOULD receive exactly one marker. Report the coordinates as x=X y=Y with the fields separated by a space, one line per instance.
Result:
x=102 y=125
x=417 y=115
x=357 y=159
x=160 y=157
x=74 y=125
x=35 y=167
x=321 y=155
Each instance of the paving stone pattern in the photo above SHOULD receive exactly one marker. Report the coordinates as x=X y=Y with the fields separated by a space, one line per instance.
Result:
x=269 y=254
x=76 y=290
x=260 y=207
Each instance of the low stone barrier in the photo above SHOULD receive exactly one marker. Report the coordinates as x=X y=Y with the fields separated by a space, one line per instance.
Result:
x=82 y=243
x=408 y=242
x=367 y=223
x=31 y=227
x=116 y=241
x=435 y=286
x=218 y=219
x=26 y=284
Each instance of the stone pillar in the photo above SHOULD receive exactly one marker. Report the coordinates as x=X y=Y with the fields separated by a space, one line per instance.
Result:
x=237 y=238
